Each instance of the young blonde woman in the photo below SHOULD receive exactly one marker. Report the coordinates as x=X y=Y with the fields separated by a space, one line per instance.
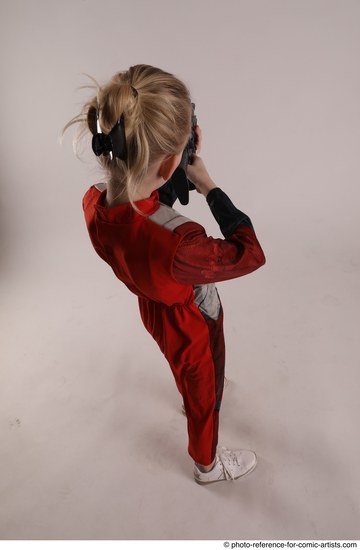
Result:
x=141 y=122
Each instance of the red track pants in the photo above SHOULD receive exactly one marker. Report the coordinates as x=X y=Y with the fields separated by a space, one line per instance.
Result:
x=195 y=349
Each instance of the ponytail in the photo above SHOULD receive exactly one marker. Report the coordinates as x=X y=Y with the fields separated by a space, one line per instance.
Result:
x=157 y=116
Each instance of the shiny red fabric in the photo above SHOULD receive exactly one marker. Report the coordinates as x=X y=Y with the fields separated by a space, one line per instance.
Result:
x=160 y=266
x=200 y=259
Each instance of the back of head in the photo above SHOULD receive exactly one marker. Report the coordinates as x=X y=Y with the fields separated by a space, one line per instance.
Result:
x=157 y=121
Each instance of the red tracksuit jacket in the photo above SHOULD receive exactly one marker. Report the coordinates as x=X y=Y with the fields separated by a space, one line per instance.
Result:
x=170 y=263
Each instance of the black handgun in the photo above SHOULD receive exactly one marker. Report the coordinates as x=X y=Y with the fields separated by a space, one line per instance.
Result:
x=179 y=185
x=179 y=178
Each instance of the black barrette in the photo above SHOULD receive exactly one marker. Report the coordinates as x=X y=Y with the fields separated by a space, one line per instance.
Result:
x=113 y=143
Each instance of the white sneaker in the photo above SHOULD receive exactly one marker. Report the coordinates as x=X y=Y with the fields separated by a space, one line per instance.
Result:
x=226 y=381
x=229 y=465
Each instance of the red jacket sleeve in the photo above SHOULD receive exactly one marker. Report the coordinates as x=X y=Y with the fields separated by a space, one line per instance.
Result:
x=200 y=259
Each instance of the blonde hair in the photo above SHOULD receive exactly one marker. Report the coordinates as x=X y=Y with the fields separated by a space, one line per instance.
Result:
x=157 y=122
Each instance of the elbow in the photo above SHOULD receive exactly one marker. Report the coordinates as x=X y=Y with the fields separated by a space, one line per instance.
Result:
x=255 y=251
x=259 y=257
x=262 y=259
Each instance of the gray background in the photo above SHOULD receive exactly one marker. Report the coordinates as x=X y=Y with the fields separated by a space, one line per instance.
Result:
x=93 y=444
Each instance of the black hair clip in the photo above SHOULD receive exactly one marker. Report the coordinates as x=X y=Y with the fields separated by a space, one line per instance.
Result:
x=113 y=143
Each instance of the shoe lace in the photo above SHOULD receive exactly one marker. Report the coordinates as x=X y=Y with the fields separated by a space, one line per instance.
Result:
x=227 y=459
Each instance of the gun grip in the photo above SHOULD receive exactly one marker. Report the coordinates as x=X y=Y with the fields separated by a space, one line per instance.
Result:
x=181 y=185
